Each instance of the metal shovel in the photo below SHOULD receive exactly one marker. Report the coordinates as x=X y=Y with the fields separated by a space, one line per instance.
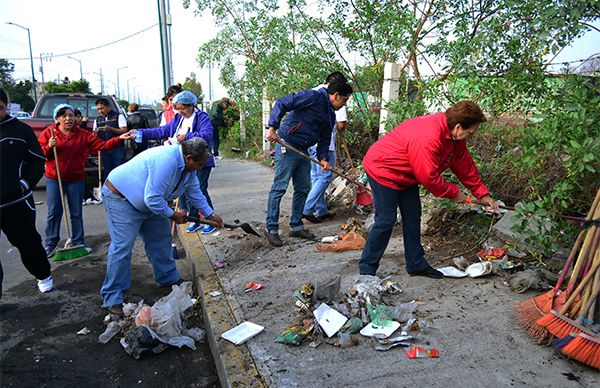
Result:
x=246 y=227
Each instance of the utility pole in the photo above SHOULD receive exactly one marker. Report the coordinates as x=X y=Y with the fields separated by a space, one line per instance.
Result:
x=80 y=67
x=42 y=57
x=30 y=60
x=101 y=81
x=164 y=23
x=128 y=98
x=118 y=93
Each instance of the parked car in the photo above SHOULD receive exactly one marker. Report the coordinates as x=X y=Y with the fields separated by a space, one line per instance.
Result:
x=22 y=115
x=150 y=114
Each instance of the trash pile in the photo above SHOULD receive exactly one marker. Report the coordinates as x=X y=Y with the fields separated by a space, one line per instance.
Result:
x=153 y=329
x=366 y=308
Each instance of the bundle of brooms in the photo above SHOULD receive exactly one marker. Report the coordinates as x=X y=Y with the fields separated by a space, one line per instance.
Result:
x=568 y=314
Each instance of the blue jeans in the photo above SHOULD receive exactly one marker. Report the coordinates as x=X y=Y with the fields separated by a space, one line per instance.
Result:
x=203 y=176
x=320 y=179
x=387 y=201
x=288 y=165
x=124 y=224
x=112 y=159
x=74 y=193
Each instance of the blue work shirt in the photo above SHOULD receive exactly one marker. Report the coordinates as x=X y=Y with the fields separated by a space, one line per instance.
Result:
x=309 y=121
x=151 y=179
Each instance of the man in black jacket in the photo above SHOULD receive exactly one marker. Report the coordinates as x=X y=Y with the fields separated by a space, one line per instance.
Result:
x=136 y=120
x=21 y=167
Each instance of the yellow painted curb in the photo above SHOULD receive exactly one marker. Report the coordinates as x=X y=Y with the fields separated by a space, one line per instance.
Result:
x=235 y=364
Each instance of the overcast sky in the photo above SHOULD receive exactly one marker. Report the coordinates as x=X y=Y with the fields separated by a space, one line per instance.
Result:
x=64 y=26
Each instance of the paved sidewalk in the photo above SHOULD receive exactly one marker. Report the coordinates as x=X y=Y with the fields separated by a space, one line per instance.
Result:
x=474 y=331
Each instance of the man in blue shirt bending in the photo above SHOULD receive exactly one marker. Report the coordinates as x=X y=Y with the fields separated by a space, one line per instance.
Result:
x=136 y=196
x=309 y=121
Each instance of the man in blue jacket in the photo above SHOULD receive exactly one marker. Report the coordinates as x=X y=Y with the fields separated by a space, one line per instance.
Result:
x=309 y=121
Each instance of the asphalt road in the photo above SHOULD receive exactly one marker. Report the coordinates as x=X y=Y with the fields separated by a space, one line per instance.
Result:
x=14 y=271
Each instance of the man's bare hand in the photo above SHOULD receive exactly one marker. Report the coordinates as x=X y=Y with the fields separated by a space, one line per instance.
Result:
x=178 y=217
x=216 y=217
x=489 y=203
x=272 y=135
x=325 y=165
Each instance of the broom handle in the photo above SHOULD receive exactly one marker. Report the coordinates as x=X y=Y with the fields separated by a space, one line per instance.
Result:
x=588 y=291
x=286 y=145
x=583 y=254
x=347 y=153
x=596 y=291
x=99 y=169
x=60 y=188
x=581 y=285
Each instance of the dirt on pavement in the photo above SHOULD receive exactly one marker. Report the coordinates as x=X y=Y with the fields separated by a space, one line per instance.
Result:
x=40 y=347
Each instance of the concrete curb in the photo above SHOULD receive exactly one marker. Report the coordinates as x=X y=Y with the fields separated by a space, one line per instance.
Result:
x=235 y=364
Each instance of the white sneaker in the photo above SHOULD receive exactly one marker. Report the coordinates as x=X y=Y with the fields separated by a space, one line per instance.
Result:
x=45 y=285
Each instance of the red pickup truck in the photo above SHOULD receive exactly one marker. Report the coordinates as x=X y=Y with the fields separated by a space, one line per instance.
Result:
x=86 y=103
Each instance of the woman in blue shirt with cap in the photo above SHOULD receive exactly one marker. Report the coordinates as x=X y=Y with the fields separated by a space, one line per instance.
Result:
x=189 y=122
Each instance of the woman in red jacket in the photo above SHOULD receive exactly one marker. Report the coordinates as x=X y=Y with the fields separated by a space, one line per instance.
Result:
x=73 y=145
x=415 y=153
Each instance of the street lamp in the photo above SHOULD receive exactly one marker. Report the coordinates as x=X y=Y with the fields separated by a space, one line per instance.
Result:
x=118 y=87
x=128 y=87
x=80 y=67
x=30 y=59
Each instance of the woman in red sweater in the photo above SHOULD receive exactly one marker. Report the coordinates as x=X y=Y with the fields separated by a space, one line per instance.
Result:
x=73 y=145
x=415 y=153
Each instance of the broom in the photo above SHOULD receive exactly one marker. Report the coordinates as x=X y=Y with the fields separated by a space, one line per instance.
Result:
x=174 y=252
x=556 y=322
x=529 y=311
x=68 y=252
x=584 y=348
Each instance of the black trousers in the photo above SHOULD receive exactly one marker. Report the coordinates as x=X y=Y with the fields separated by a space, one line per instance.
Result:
x=17 y=222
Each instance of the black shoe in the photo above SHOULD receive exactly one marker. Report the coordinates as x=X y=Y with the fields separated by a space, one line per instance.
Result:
x=312 y=218
x=175 y=283
x=326 y=216
x=273 y=239
x=302 y=234
x=429 y=272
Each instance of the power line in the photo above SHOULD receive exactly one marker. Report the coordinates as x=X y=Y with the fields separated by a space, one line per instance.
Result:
x=593 y=56
x=93 y=48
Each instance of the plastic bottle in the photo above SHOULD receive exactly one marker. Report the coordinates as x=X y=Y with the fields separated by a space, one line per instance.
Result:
x=111 y=330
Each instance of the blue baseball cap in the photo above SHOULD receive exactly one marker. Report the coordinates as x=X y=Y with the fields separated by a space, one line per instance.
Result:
x=59 y=107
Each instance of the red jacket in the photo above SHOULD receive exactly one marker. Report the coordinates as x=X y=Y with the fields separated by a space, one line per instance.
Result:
x=418 y=151
x=169 y=114
x=73 y=150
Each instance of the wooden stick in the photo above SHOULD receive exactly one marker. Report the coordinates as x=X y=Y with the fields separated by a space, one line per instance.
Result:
x=60 y=188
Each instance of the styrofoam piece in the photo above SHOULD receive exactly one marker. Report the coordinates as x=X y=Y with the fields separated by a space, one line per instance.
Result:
x=329 y=319
x=452 y=272
x=479 y=269
x=378 y=331
x=242 y=332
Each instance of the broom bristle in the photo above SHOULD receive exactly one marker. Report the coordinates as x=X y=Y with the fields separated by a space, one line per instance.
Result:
x=560 y=343
x=558 y=325
x=584 y=348
x=529 y=311
x=71 y=253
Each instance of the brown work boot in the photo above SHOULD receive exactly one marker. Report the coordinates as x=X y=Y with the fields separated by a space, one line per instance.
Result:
x=273 y=239
x=116 y=309
x=312 y=218
x=305 y=234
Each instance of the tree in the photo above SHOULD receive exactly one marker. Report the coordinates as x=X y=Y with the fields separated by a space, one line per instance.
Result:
x=79 y=86
x=192 y=85
x=6 y=70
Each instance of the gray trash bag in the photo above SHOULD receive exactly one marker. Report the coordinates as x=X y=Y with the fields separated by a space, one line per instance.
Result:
x=527 y=280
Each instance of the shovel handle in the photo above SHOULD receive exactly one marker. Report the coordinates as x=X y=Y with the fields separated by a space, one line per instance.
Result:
x=286 y=145
x=470 y=200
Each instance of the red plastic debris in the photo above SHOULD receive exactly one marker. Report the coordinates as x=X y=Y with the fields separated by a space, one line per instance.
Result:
x=419 y=352
x=491 y=254
x=251 y=286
